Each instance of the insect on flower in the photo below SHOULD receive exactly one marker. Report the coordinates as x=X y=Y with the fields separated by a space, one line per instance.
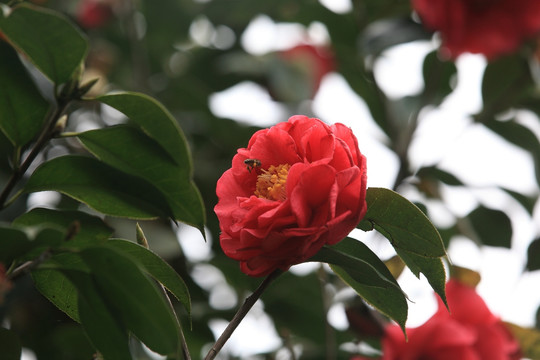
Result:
x=252 y=164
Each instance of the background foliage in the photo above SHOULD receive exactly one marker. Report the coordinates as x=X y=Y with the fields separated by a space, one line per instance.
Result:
x=164 y=162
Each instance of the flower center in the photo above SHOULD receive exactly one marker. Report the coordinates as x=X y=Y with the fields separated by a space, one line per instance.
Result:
x=271 y=183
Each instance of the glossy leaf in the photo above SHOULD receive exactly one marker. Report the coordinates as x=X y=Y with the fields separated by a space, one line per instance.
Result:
x=83 y=228
x=48 y=39
x=134 y=297
x=50 y=279
x=361 y=269
x=99 y=319
x=22 y=108
x=13 y=243
x=401 y=222
x=493 y=227
x=10 y=345
x=533 y=256
x=159 y=124
x=99 y=186
x=432 y=268
x=132 y=151
x=157 y=268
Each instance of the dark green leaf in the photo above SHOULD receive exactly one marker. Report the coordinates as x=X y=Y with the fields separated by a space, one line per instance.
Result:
x=528 y=202
x=99 y=186
x=135 y=298
x=13 y=243
x=52 y=282
x=359 y=267
x=520 y=136
x=22 y=108
x=432 y=268
x=157 y=268
x=10 y=345
x=99 y=319
x=401 y=222
x=47 y=38
x=505 y=80
x=438 y=174
x=83 y=228
x=438 y=78
x=493 y=227
x=533 y=256
x=133 y=152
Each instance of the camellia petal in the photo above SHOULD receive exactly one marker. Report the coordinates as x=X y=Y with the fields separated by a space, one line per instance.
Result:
x=296 y=187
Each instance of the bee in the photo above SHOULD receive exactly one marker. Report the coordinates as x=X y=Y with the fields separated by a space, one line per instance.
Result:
x=252 y=164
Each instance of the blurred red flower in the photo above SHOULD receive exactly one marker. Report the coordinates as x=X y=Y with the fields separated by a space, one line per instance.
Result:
x=468 y=332
x=298 y=185
x=93 y=14
x=489 y=27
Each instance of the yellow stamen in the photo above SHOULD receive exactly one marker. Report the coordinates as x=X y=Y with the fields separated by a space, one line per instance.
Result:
x=271 y=183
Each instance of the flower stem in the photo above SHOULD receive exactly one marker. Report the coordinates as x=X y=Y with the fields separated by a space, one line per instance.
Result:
x=240 y=314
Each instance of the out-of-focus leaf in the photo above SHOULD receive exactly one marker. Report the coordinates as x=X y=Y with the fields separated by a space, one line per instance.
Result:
x=157 y=268
x=432 y=268
x=528 y=202
x=100 y=321
x=10 y=345
x=361 y=269
x=13 y=243
x=465 y=276
x=438 y=78
x=47 y=38
x=528 y=339
x=130 y=150
x=520 y=136
x=493 y=227
x=401 y=222
x=134 y=297
x=383 y=34
x=438 y=174
x=505 y=80
x=100 y=186
x=22 y=108
x=52 y=282
x=82 y=227
x=533 y=256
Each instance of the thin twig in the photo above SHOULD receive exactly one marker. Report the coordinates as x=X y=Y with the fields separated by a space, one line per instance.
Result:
x=240 y=314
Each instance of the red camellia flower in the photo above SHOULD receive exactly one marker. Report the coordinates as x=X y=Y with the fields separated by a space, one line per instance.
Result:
x=298 y=185
x=468 y=332
x=489 y=27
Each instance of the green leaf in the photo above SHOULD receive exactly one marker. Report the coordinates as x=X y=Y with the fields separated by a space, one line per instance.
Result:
x=99 y=319
x=132 y=151
x=432 y=268
x=10 y=345
x=99 y=186
x=401 y=222
x=359 y=267
x=440 y=175
x=505 y=81
x=84 y=228
x=50 y=279
x=157 y=268
x=438 y=77
x=13 y=243
x=519 y=135
x=47 y=38
x=22 y=108
x=533 y=256
x=134 y=297
x=493 y=227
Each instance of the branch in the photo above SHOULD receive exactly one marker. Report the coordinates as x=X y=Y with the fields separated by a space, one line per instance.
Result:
x=240 y=314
